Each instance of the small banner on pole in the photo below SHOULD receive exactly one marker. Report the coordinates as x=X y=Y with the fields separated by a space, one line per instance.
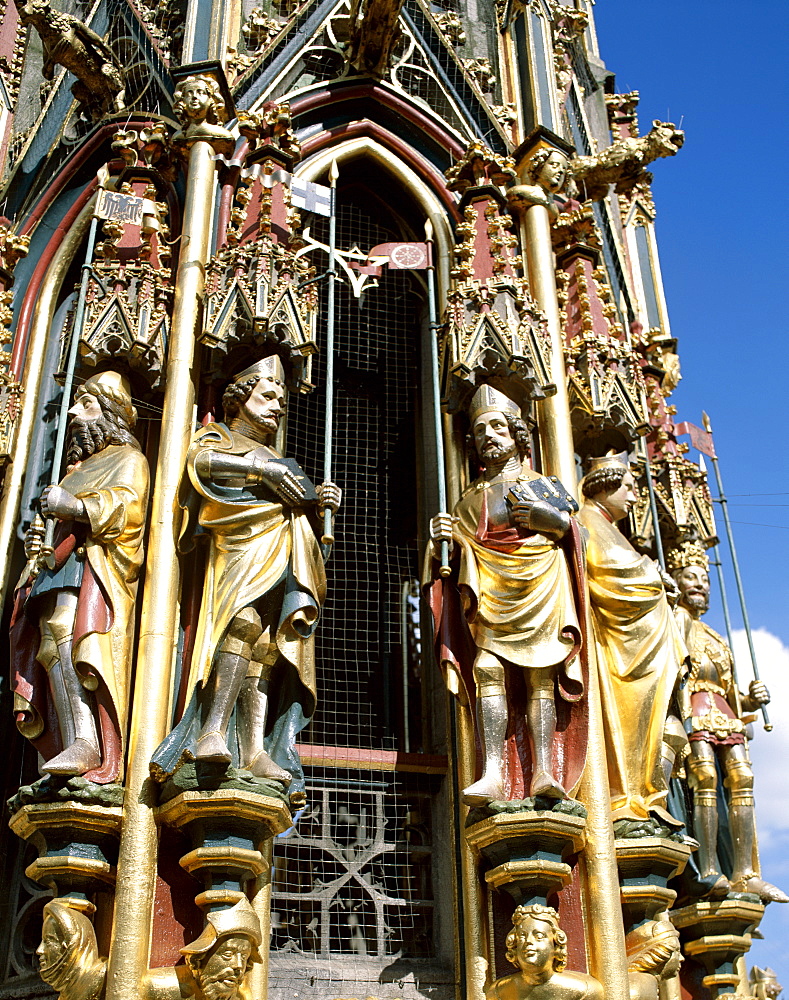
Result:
x=398 y=256
x=120 y=207
x=699 y=438
x=305 y=195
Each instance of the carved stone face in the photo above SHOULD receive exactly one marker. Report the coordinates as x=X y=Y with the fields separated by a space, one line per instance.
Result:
x=619 y=502
x=197 y=100
x=223 y=971
x=86 y=407
x=694 y=588
x=493 y=438
x=534 y=946
x=553 y=172
x=265 y=406
x=51 y=950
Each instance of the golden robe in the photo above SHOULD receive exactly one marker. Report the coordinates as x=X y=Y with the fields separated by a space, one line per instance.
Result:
x=521 y=605
x=254 y=543
x=639 y=653
x=260 y=553
x=113 y=484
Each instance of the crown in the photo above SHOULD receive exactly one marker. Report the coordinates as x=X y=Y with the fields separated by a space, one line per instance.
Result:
x=611 y=460
x=238 y=919
x=487 y=399
x=270 y=367
x=688 y=553
x=116 y=387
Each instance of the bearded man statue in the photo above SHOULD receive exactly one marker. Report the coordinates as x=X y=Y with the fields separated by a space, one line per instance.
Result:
x=73 y=623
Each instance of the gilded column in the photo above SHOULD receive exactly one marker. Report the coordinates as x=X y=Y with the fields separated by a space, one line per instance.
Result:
x=542 y=168
x=199 y=106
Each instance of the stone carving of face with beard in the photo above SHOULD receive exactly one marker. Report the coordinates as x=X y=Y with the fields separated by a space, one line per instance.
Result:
x=96 y=422
x=223 y=971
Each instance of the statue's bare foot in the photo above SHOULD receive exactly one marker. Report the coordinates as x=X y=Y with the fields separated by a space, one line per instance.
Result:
x=212 y=747
x=76 y=759
x=543 y=784
x=767 y=892
x=483 y=791
x=262 y=766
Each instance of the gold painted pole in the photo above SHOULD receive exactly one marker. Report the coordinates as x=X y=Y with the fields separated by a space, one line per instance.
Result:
x=553 y=413
x=130 y=945
x=607 y=959
x=31 y=380
x=477 y=964
x=261 y=904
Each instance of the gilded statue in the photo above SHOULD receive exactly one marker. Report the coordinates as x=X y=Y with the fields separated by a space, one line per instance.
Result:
x=538 y=946
x=219 y=959
x=653 y=956
x=215 y=964
x=68 y=955
x=254 y=654
x=73 y=624
x=548 y=173
x=200 y=108
x=712 y=709
x=70 y=43
x=764 y=984
x=640 y=652
x=513 y=579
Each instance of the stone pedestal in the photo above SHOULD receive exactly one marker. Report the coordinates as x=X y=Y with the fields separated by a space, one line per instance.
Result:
x=716 y=934
x=228 y=829
x=526 y=851
x=77 y=844
x=645 y=866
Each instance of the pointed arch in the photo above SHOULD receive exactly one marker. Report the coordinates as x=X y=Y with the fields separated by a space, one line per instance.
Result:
x=428 y=197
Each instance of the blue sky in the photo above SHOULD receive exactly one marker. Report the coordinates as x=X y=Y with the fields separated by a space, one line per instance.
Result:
x=720 y=67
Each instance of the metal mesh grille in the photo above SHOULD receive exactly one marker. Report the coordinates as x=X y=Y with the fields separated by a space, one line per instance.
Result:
x=359 y=638
x=352 y=885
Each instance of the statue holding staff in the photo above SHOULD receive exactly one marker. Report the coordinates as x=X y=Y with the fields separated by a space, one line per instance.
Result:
x=713 y=709
x=73 y=624
x=513 y=580
x=253 y=662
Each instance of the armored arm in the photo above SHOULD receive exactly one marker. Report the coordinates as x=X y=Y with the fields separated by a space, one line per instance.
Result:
x=254 y=468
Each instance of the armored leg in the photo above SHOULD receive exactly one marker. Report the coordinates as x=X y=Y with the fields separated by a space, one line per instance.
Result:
x=492 y=723
x=739 y=780
x=704 y=781
x=253 y=708
x=541 y=715
x=227 y=676
x=72 y=701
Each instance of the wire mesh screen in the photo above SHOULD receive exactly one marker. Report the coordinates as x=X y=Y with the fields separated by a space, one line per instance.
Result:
x=359 y=637
x=353 y=882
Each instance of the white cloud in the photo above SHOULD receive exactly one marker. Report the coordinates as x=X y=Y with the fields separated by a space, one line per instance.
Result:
x=769 y=751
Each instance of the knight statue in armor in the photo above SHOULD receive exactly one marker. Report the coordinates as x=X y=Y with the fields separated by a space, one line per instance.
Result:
x=514 y=582
x=73 y=624
x=538 y=946
x=253 y=663
x=640 y=652
x=712 y=709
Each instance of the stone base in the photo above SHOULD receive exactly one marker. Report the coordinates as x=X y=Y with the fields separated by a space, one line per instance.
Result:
x=645 y=865
x=526 y=851
x=716 y=934
x=77 y=844
x=227 y=829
